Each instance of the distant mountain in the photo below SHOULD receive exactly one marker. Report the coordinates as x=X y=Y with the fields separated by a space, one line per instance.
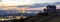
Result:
x=39 y=5
x=22 y=6
x=43 y=4
x=57 y=3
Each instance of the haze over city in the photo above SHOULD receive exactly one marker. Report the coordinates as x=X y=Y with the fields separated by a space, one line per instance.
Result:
x=24 y=2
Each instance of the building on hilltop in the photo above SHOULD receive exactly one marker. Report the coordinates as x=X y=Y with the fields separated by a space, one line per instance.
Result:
x=51 y=9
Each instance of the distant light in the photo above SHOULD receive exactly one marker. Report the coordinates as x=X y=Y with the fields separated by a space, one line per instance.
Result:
x=18 y=17
x=35 y=12
x=24 y=17
x=29 y=12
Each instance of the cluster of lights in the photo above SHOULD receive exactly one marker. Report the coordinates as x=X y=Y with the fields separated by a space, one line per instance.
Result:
x=11 y=18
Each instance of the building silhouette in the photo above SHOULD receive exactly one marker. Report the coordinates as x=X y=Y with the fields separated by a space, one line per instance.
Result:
x=51 y=9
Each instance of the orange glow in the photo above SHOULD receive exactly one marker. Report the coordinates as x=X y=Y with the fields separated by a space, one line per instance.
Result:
x=23 y=8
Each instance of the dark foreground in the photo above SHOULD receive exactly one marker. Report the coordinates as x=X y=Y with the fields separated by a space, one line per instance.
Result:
x=44 y=19
x=37 y=19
